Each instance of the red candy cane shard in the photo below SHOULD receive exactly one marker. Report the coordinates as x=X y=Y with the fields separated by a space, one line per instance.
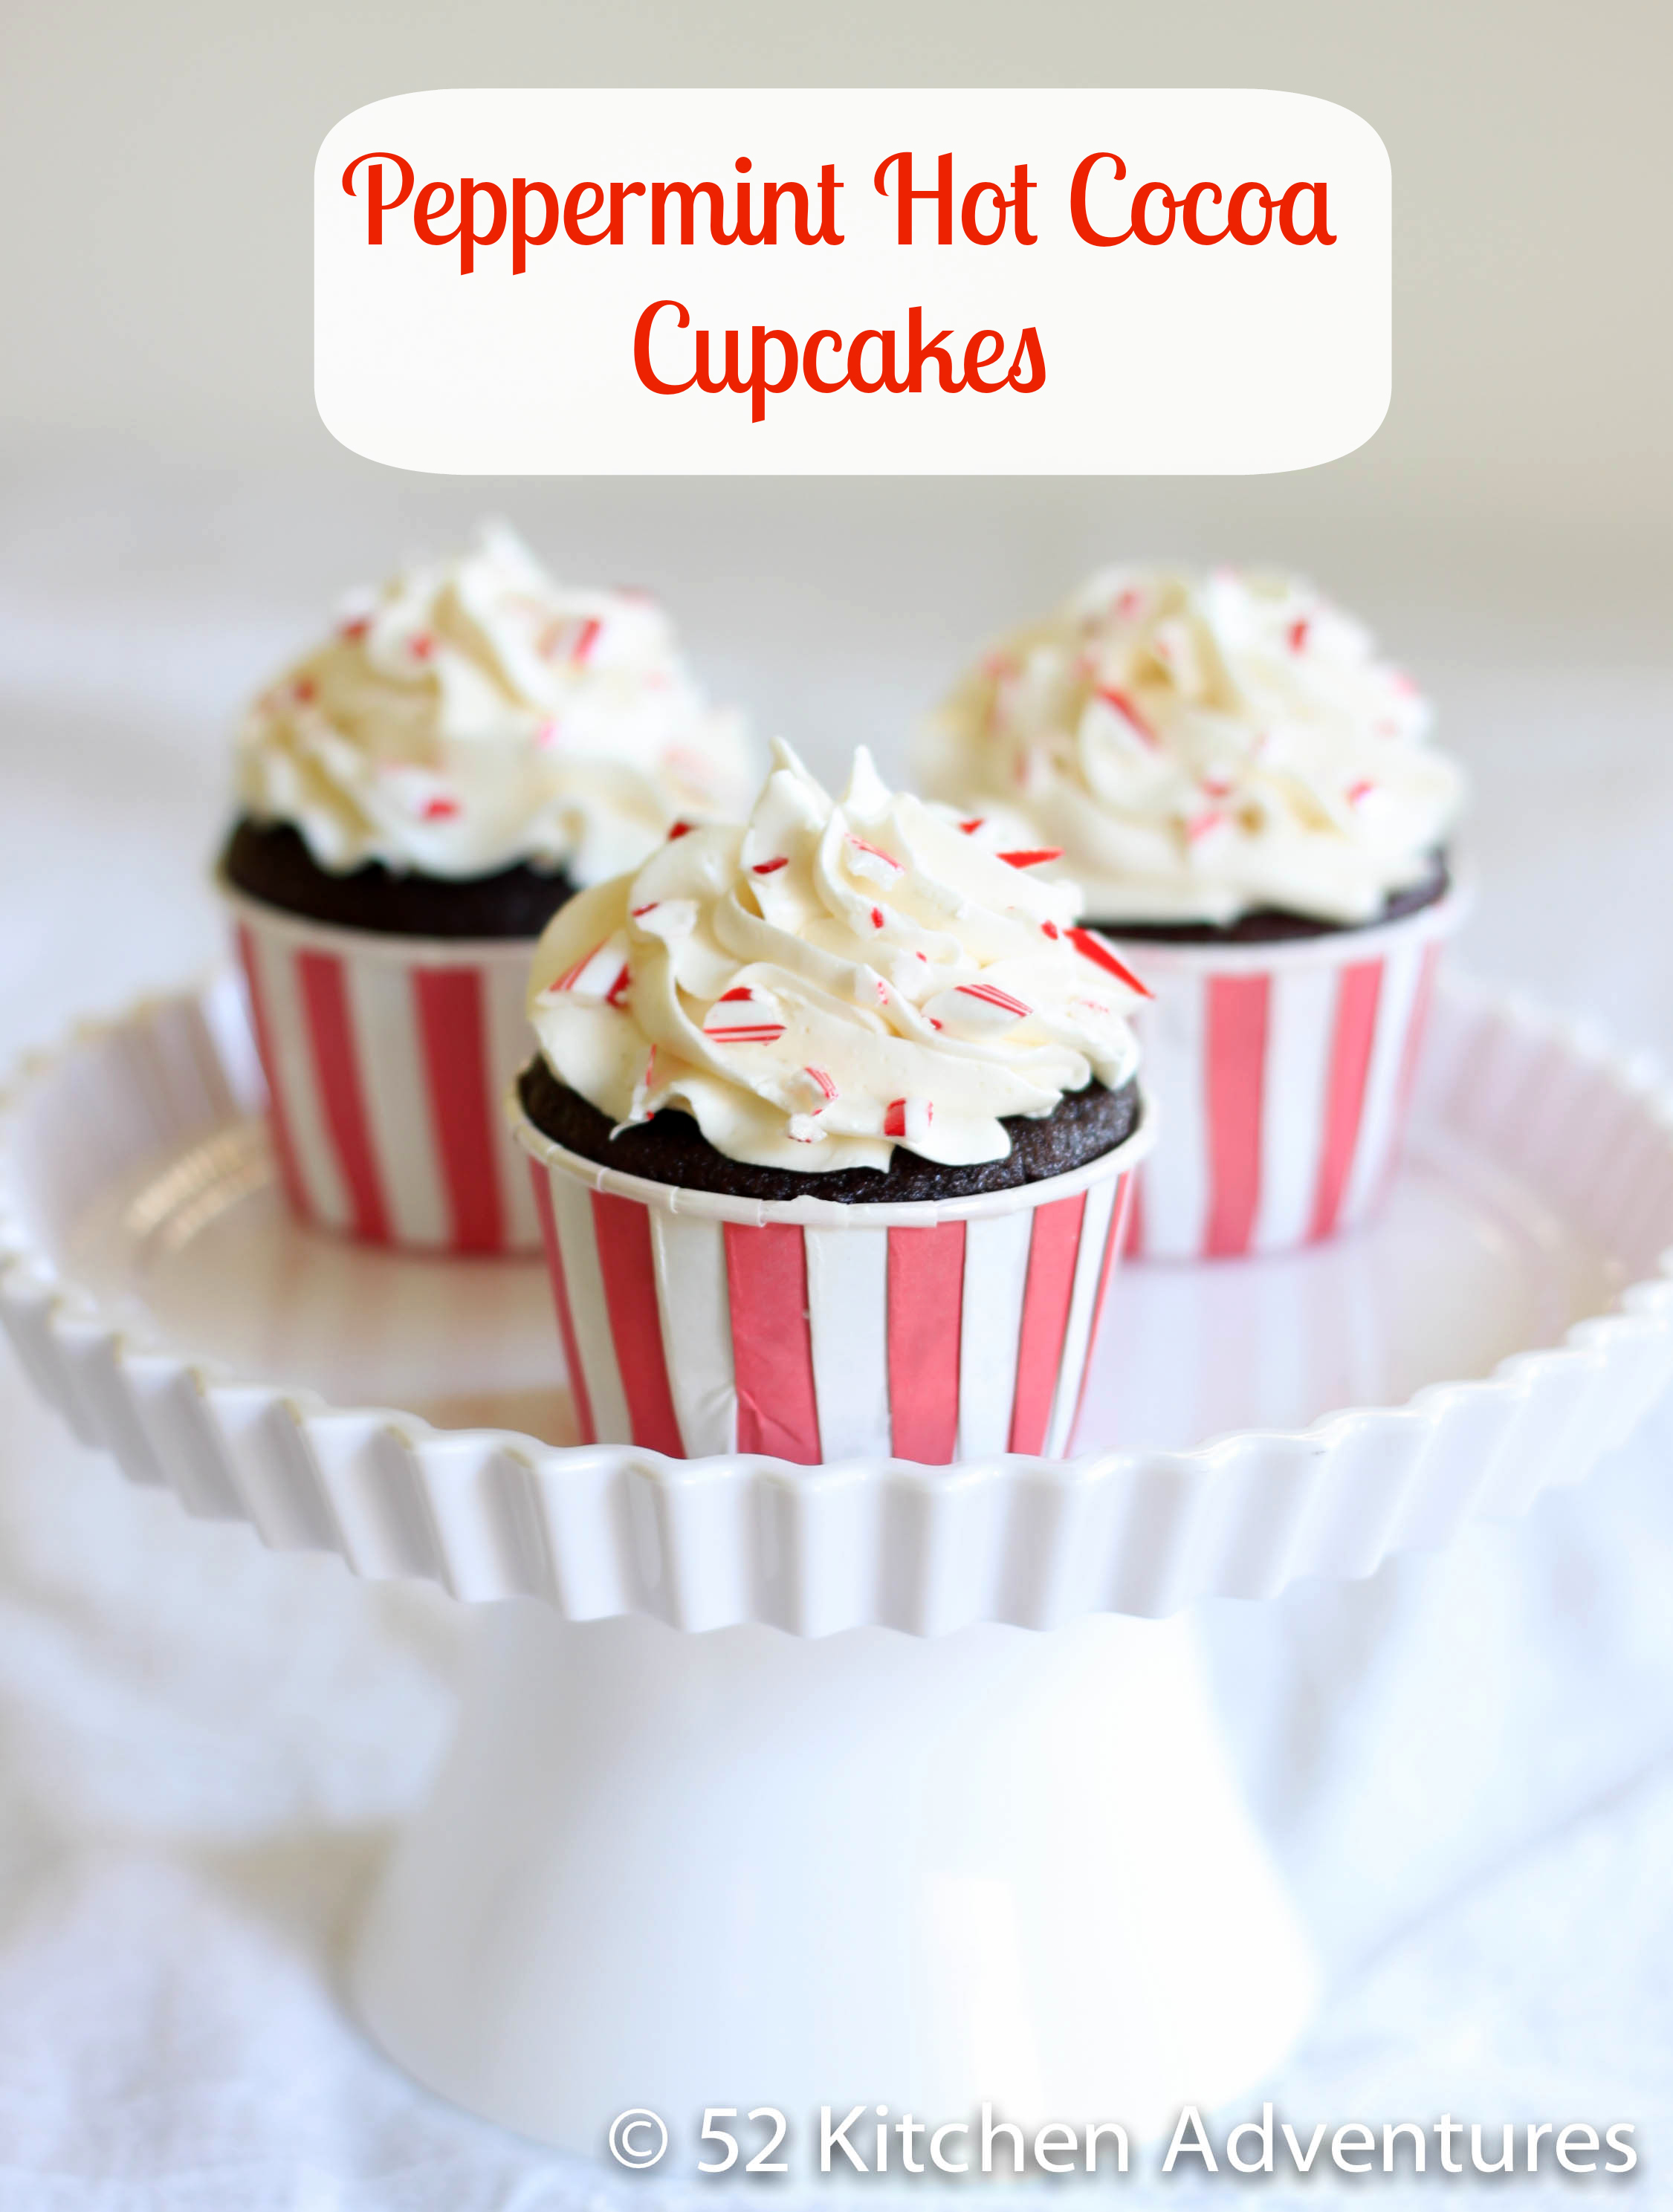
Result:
x=822 y=1077
x=588 y=638
x=440 y=810
x=1129 y=713
x=909 y=1118
x=305 y=690
x=877 y=917
x=600 y=974
x=991 y=995
x=876 y=851
x=770 y=868
x=1094 y=949
x=614 y=995
x=1051 y=929
x=1359 y=791
x=1035 y=858
x=649 y=906
x=679 y=829
x=740 y=1032
x=422 y=646
x=975 y=822
x=1298 y=635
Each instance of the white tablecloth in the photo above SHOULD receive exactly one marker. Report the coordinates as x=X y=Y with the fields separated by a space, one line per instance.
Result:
x=1464 y=1763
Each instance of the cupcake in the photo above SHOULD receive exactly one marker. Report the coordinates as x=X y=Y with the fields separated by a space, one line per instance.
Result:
x=1247 y=798
x=833 y=1119
x=416 y=796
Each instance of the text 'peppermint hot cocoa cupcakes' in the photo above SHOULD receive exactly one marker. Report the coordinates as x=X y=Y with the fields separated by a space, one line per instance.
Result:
x=833 y=1119
x=416 y=795
x=1247 y=797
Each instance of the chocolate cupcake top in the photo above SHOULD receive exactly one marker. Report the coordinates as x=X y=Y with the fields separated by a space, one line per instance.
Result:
x=1204 y=747
x=474 y=714
x=830 y=979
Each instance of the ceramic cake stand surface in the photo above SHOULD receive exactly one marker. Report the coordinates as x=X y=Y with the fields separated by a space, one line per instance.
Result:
x=678 y=1857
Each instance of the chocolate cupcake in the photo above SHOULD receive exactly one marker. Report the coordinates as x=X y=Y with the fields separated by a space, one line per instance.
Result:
x=1246 y=796
x=834 y=1115
x=416 y=796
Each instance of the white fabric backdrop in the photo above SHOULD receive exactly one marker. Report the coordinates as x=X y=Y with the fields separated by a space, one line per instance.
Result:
x=1466 y=1763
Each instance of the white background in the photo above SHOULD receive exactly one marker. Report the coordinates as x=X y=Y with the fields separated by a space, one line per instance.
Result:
x=1466 y=1763
x=1161 y=359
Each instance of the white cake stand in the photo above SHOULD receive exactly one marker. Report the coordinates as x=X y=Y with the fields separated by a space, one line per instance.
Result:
x=913 y=1852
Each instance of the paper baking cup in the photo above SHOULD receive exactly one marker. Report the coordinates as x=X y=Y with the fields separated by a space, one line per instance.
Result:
x=1285 y=1071
x=696 y=1323
x=386 y=1058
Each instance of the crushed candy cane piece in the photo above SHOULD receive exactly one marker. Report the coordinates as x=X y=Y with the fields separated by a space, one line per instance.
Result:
x=909 y=1118
x=990 y=994
x=870 y=862
x=976 y=1009
x=1113 y=697
x=601 y=974
x=737 y=1030
x=1093 y=948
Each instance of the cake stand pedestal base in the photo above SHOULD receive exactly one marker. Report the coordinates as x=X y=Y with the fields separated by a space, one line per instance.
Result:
x=741 y=1868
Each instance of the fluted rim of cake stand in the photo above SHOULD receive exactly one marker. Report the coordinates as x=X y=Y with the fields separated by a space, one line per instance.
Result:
x=601 y=1530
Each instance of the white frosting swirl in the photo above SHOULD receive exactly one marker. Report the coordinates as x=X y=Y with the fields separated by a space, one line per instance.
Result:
x=474 y=714
x=1203 y=747
x=830 y=978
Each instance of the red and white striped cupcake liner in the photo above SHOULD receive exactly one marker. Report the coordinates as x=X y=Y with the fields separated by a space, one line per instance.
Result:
x=695 y=1323
x=1284 y=1072
x=387 y=1061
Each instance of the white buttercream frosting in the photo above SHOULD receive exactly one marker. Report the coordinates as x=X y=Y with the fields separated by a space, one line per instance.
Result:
x=474 y=714
x=1201 y=747
x=829 y=979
